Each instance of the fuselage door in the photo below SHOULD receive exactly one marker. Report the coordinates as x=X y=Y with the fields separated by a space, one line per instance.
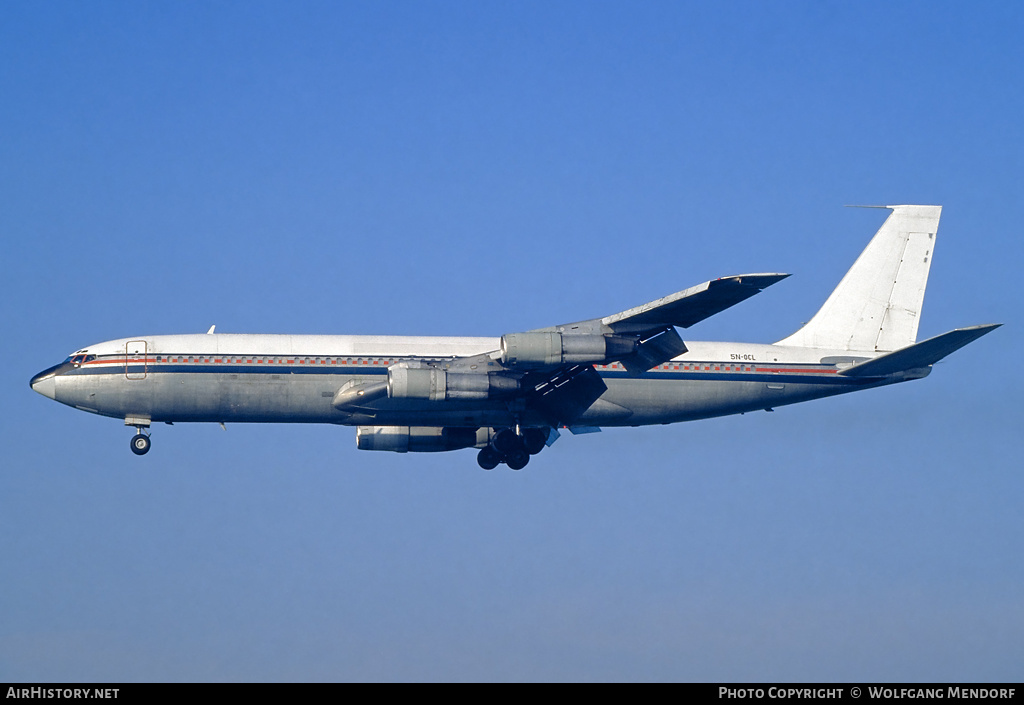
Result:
x=135 y=359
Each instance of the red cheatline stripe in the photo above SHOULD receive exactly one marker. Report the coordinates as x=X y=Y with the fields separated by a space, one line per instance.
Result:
x=698 y=367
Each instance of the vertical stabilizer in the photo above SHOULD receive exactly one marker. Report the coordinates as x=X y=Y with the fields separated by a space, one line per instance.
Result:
x=877 y=305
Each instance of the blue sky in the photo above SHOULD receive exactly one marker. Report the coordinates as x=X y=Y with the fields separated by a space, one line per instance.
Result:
x=476 y=169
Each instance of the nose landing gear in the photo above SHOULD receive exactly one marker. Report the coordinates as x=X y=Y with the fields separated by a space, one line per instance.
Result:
x=140 y=443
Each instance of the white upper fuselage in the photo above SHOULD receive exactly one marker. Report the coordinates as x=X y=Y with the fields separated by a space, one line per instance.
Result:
x=429 y=347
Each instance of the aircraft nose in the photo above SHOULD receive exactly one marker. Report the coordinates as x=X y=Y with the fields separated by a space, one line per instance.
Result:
x=46 y=382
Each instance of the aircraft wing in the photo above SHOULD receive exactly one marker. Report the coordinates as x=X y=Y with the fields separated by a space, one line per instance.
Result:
x=552 y=369
x=693 y=305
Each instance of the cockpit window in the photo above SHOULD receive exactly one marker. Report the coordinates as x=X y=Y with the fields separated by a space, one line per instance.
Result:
x=80 y=359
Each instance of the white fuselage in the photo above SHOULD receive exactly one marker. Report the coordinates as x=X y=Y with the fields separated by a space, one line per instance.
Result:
x=293 y=378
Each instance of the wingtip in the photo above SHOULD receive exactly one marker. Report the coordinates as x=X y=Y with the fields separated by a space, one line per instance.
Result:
x=761 y=279
x=982 y=326
x=759 y=275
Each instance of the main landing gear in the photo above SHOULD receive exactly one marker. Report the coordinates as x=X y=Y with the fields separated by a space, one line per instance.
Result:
x=513 y=449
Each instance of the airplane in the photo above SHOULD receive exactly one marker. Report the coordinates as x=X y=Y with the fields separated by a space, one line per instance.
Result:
x=509 y=397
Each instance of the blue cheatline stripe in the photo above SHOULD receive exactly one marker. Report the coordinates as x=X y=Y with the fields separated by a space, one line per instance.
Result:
x=350 y=369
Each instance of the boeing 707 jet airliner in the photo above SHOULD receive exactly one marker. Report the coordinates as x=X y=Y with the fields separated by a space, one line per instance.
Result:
x=509 y=396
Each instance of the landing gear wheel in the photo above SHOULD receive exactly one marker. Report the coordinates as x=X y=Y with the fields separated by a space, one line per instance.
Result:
x=517 y=459
x=488 y=458
x=534 y=439
x=505 y=441
x=141 y=444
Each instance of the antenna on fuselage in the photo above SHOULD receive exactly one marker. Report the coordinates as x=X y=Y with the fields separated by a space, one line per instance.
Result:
x=210 y=332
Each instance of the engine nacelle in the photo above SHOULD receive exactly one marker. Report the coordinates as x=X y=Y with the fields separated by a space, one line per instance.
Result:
x=419 y=439
x=545 y=349
x=407 y=382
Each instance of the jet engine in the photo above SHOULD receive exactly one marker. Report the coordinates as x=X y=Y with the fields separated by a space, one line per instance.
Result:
x=408 y=382
x=545 y=349
x=419 y=439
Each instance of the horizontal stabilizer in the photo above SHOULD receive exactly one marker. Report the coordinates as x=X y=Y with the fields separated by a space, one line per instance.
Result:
x=690 y=306
x=921 y=354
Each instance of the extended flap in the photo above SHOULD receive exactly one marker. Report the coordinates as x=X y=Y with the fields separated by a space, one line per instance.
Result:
x=564 y=396
x=654 y=351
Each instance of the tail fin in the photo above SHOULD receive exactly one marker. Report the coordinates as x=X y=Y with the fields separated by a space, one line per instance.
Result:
x=877 y=305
